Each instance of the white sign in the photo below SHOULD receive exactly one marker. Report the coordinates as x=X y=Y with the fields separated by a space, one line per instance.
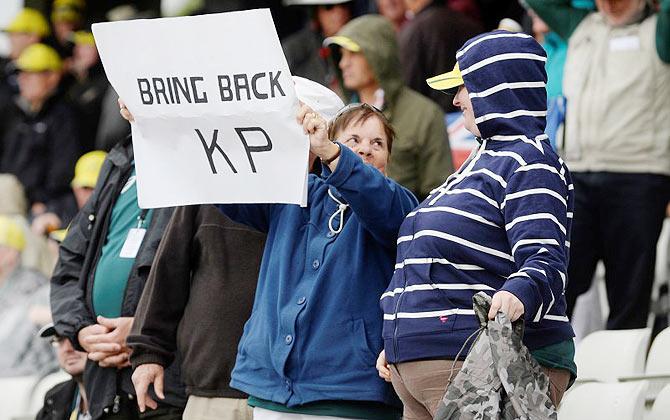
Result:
x=214 y=107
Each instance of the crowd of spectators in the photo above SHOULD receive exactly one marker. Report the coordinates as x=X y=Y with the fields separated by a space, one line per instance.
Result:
x=160 y=328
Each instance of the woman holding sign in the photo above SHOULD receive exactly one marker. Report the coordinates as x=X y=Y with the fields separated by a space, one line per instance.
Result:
x=311 y=342
x=309 y=346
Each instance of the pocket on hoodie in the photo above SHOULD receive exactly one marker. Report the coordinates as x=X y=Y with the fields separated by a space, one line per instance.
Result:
x=361 y=343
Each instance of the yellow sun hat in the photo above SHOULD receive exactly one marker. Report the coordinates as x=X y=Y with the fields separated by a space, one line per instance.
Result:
x=87 y=169
x=29 y=21
x=39 y=57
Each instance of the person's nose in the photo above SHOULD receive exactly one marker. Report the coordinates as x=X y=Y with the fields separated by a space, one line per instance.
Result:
x=67 y=346
x=364 y=149
x=456 y=102
x=343 y=63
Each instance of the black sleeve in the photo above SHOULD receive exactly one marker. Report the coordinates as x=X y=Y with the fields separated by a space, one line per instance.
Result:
x=154 y=334
x=68 y=290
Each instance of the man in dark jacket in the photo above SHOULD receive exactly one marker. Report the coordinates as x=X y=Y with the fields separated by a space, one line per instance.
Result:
x=103 y=265
x=67 y=400
x=39 y=140
x=197 y=298
x=428 y=45
x=305 y=55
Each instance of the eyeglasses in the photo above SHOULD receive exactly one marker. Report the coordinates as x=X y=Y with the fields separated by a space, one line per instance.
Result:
x=56 y=341
x=359 y=105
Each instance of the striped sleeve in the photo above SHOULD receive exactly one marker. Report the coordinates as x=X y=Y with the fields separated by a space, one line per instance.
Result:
x=536 y=222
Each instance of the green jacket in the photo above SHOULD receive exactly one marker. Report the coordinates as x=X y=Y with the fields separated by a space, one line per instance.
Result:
x=421 y=158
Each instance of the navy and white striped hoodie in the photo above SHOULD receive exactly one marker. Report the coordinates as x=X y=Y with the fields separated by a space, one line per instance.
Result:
x=502 y=222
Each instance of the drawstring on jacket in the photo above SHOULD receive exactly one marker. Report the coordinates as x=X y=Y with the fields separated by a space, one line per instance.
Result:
x=341 y=208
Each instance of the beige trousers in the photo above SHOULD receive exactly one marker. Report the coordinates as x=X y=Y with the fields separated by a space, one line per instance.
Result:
x=202 y=408
x=421 y=385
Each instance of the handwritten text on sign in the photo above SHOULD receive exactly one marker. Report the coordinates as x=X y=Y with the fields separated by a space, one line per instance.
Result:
x=214 y=105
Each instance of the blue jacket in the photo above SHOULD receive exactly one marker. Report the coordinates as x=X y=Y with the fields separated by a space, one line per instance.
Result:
x=315 y=330
x=502 y=222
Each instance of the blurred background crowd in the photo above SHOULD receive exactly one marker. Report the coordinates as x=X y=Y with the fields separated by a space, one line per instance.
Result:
x=59 y=117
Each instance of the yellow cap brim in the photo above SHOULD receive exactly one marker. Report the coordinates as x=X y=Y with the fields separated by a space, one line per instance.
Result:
x=344 y=42
x=58 y=235
x=446 y=81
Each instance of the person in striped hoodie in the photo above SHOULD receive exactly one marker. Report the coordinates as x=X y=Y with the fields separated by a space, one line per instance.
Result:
x=500 y=224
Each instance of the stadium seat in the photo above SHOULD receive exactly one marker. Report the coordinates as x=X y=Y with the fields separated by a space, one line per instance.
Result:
x=658 y=361
x=661 y=408
x=657 y=369
x=611 y=354
x=14 y=395
x=604 y=401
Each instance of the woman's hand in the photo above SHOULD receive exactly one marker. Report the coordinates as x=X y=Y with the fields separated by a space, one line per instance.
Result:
x=317 y=128
x=506 y=303
x=383 y=367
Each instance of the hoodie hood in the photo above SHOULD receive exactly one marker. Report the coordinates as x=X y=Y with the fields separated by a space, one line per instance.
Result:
x=376 y=38
x=505 y=76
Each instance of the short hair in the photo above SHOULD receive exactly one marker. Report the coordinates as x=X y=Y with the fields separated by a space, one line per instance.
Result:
x=358 y=114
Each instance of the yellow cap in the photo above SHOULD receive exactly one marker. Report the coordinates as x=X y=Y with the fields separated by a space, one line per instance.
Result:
x=448 y=80
x=67 y=10
x=29 y=21
x=343 y=41
x=11 y=234
x=83 y=37
x=39 y=57
x=87 y=169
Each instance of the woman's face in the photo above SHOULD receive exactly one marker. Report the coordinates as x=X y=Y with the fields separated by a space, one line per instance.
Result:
x=462 y=100
x=368 y=140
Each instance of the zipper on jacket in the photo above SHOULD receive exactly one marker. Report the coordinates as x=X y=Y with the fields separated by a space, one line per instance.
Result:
x=395 y=321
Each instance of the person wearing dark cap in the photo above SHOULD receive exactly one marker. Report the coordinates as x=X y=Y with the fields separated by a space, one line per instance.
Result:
x=428 y=44
x=305 y=55
x=501 y=225
x=66 y=400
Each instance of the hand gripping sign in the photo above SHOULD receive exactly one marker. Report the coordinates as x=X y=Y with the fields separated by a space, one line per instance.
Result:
x=214 y=107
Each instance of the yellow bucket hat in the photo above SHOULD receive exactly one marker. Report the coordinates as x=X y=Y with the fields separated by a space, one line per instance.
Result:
x=29 y=21
x=87 y=169
x=448 y=80
x=68 y=11
x=39 y=57
x=11 y=234
x=343 y=41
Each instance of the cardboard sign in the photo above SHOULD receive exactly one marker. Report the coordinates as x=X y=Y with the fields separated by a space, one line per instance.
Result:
x=214 y=107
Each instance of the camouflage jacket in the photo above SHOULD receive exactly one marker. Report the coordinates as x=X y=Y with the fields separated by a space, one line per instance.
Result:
x=499 y=378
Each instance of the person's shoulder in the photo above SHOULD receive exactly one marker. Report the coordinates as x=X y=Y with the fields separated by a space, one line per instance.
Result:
x=63 y=391
x=535 y=153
